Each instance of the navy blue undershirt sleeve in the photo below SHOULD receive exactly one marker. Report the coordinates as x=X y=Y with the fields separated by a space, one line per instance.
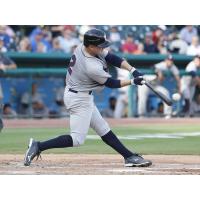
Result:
x=114 y=60
x=112 y=83
x=192 y=73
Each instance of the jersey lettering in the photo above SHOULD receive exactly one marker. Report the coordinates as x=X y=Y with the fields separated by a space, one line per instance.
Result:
x=71 y=64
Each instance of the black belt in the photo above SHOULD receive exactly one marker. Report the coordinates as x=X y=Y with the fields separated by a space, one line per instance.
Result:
x=74 y=91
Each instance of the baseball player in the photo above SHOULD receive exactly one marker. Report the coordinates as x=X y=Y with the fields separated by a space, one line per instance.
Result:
x=189 y=82
x=160 y=70
x=5 y=63
x=87 y=72
x=122 y=99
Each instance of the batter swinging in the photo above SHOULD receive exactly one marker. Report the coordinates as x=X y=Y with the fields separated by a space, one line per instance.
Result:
x=88 y=72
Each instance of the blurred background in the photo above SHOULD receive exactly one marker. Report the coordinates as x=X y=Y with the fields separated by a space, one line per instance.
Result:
x=34 y=60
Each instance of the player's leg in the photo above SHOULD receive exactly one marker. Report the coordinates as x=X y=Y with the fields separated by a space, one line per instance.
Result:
x=80 y=116
x=186 y=97
x=103 y=130
x=143 y=93
x=167 y=109
x=120 y=106
x=192 y=92
x=79 y=125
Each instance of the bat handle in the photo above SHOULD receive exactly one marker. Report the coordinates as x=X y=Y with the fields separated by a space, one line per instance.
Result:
x=143 y=82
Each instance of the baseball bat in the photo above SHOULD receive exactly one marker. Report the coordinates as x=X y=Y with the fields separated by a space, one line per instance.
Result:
x=159 y=94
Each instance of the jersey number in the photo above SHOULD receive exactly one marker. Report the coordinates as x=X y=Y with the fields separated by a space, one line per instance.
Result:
x=71 y=64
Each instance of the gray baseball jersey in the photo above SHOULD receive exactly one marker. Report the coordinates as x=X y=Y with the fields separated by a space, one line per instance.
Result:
x=188 y=82
x=163 y=67
x=86 y=72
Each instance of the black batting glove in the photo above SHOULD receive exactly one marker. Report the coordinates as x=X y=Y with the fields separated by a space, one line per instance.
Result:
x=138 y=81
x=136 y=73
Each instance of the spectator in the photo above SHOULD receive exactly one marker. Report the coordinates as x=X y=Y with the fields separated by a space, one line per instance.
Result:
x=8 y=112
x=195 y=107
x=187 y=33
x=114 y=35
x=70 y=27
x=143 y=91
x=177 y=45
x=41 y=48
x=24 y=45
x=35 y=32
x=5 y=37
x=13 y=38
x=109 y=112
x=140 y=49
x=68 y=41
x=194 y=48
x=149 y=46
x=115 y=38
x=32 y=104
x=83 y=29
x=129 y=45
x=162 y=45
x=57 y=30
x=56 y=46
x=157 y=34
x=9 y=31
x=188 y=84
x=47 y=37
x=3 y=49
x=36 y=38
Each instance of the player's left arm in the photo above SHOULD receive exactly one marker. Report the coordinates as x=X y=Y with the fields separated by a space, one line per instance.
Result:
x=121 y=63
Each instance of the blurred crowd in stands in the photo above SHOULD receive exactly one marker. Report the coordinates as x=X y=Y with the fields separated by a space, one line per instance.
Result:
x=126 y=39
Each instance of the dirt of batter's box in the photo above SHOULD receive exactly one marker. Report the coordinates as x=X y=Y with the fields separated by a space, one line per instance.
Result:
x=99 y=164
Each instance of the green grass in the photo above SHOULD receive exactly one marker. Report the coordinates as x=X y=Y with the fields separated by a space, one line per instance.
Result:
x=15 y=141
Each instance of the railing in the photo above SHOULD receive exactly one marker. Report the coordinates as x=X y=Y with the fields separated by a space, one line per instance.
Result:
x=62 y=72
x=62 y=59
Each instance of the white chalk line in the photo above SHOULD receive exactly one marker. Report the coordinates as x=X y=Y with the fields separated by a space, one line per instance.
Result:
x=151 y=136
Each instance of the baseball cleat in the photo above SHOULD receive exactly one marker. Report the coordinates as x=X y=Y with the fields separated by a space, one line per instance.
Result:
x=32 y=152
x=137 y=161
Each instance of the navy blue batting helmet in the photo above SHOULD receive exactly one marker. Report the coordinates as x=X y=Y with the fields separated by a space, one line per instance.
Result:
x=96 y=37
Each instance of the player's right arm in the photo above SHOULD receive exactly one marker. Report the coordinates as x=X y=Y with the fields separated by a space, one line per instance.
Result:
x=98 y=74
